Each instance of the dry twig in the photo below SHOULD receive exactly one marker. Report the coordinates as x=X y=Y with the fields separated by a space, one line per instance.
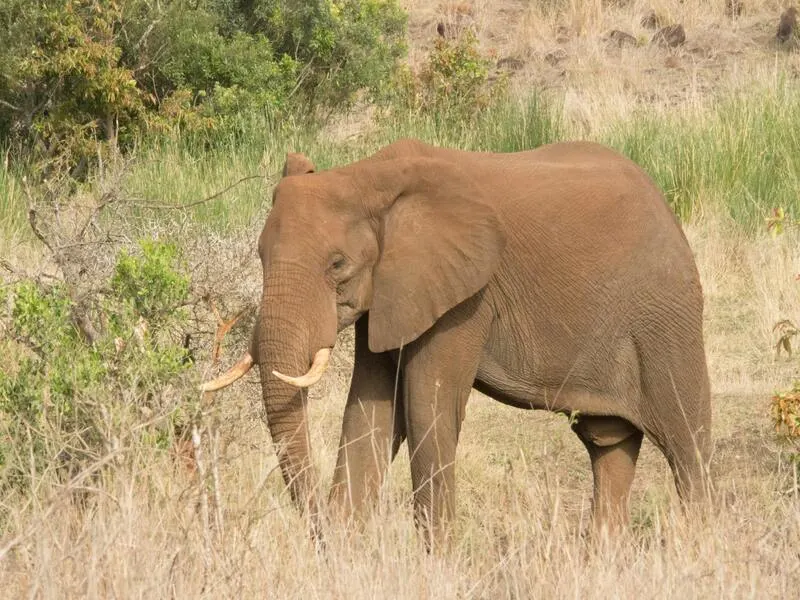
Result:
x=204 y=200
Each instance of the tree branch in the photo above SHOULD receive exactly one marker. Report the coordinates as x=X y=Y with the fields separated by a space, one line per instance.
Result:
x=105 y=200
x=37 y=232
x=147 y=33
x=204 y=200
x=11 y=106
x=7 y=266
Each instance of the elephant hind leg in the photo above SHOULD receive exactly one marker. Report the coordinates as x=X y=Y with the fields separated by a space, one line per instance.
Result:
x=613 y=445
x=678 y=416
x=688 y=458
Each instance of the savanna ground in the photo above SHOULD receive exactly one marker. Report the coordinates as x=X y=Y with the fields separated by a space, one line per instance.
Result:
x=716 y=121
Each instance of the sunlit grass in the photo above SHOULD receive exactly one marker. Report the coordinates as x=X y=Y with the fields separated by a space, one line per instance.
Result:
x=743 y=154
x=12 y=206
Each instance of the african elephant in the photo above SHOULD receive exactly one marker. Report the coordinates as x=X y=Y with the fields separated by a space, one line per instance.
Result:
x=556 y=278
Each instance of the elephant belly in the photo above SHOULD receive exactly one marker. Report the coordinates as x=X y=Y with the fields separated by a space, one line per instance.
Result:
x=576 y=390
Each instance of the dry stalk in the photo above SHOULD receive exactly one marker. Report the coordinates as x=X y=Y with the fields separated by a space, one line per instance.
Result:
x=213 y=196
x=215 y=481
x=57 y=502
x=207 y=469
x=223 y=327
x=202 y=491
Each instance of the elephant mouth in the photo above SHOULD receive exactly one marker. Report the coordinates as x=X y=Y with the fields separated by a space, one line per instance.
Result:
x=347 y=313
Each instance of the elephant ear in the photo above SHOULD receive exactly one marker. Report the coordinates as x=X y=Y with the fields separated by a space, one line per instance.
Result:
x=441 y=243
x=297 y=164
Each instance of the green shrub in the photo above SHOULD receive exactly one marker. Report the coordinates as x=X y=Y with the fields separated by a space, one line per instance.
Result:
x=63 y=393
x=77 y=72
x=343 y=46
x=200 y=73
x=453 y=83
x=152 y=282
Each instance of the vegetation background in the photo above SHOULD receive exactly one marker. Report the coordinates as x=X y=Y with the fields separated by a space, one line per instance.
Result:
x=140 y=141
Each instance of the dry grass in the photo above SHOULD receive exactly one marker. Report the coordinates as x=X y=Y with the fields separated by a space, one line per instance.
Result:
x=524 y=494
x=561 y=46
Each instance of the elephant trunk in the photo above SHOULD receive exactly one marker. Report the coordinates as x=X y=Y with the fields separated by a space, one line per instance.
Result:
x=286 y=416
x=293 y=328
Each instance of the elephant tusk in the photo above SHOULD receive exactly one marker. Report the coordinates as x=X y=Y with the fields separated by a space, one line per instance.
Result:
x=314 y=373
x=231 y=375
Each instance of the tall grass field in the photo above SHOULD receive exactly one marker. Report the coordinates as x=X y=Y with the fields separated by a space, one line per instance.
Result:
x=182 y=498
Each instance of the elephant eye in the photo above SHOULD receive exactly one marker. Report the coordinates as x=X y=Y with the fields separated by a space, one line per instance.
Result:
x=338 y=262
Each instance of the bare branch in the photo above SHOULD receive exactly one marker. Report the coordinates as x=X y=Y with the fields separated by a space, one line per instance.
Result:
x=71 y=271
x=153 y=59
x=37 y=232
x=7 y=266
x=11 y=106
x=204 y=200
x=22 y=274
x=223 y=327
x=304 y=74
x=85 y=326
x=147 y=33
x=105 y=200
x=106 y=240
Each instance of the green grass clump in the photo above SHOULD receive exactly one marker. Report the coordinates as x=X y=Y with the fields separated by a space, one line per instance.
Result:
x=507 y=126
x=743 y=155
x=12 y=204
x=181 y=171
x=740 y=157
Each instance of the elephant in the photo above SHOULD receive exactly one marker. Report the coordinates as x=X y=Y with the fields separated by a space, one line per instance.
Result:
x=556 y=278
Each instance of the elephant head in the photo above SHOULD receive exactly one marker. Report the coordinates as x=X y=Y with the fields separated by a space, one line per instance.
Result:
x=403 y=238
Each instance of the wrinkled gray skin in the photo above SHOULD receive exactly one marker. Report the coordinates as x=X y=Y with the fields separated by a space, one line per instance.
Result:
x=553 y=279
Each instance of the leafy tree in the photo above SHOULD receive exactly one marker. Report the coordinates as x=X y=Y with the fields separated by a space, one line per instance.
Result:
x=344 y=46
x=75 y=72
x=62 y=85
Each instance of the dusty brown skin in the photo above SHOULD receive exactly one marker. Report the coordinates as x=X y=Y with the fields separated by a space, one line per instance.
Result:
x=555 y=279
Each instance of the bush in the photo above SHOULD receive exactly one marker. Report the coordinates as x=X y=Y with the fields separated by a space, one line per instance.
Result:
x=151 y=282
x=453 y=84
x=63 y=396
x=77 y=72
x=785 y=411
x=62 y=84
x=342 y=47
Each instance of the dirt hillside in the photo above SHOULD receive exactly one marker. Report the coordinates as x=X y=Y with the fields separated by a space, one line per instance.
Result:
x=605 y=58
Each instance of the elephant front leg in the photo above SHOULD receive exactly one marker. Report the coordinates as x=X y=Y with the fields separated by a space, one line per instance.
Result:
x=373 y=428
x=435 y=413
x=438 y=377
